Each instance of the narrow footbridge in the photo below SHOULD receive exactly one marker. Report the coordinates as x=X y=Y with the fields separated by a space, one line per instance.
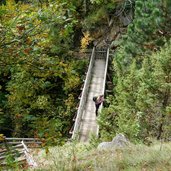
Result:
x=94 y=85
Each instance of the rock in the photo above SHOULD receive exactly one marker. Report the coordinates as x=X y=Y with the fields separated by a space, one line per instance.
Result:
x=105 y=145
x=119 y=141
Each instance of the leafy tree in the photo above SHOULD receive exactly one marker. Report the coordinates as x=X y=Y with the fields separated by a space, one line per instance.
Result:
x=40 y=81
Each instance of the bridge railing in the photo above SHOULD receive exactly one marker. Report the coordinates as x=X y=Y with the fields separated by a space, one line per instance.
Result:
x=104 y=82
x=83 y=99
x=105 y=72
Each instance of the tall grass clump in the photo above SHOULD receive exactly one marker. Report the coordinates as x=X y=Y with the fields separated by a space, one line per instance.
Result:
x=80 y=157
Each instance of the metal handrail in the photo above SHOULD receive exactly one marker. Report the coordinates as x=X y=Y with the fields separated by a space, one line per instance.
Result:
x=83 y=96
x=104 y=83
x=105 y=73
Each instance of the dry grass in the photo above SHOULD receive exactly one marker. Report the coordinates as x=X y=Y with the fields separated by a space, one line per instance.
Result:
x=73 y=157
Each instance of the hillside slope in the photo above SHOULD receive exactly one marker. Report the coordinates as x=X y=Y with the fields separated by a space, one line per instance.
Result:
x=80 y=157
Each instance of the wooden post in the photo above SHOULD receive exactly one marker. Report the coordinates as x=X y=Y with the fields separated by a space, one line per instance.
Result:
x=28 y=156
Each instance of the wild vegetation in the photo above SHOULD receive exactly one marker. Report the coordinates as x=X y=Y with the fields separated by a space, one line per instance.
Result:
x=41 y=76
x=82 y=157
x=140 y=104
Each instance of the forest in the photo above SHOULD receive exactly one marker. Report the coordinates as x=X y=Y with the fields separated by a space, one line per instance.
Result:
x=42 y=69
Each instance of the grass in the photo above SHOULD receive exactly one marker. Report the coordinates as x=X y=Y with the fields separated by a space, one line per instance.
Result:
x=79 y=157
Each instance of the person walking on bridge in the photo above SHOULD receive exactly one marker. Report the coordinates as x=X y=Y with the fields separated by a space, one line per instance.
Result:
x=98 y=100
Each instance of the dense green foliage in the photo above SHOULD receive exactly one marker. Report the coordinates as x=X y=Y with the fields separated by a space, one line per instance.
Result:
x=140 y=106
x=39 y=79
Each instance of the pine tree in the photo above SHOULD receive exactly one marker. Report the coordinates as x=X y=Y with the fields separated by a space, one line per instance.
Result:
x=162 y=76
x=142 y=36
x=146 y=100
x=122 y=110
x=126 y=94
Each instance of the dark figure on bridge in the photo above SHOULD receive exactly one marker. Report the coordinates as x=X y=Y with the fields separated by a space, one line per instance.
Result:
x=98 y=100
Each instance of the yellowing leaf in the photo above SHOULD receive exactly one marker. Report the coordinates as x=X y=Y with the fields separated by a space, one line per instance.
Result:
x=85 y=40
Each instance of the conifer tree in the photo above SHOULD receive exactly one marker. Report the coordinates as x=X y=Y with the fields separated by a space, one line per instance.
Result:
x=142 y=36
x=154 y=93
x=146 y=100
x=126 y=92
x=122 y=109
x=141 y=107
x=162 y=77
